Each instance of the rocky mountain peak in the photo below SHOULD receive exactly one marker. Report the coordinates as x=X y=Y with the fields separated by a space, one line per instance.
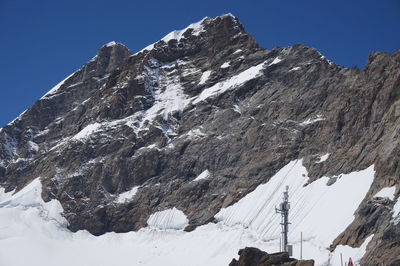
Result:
x=207 y=36
x=198 y=120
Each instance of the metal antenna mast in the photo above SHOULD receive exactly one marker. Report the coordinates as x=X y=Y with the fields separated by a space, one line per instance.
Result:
x=284 y=211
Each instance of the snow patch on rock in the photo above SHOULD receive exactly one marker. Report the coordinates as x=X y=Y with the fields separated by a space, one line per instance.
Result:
x=204 y=175
x=295 y=69
x=387 y=192
x=275 y=61
x=310 y=121
x=204 y=77
x=87 y=131
x=230 y=83
x=110 y=44
x=236 y=108
x=396 y=212
x=196 y=27
x=33 y=146
x=225 y=65
x=127 y=195
x=323 y=158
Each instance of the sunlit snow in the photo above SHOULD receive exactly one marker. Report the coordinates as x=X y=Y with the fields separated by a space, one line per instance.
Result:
x=321 y=212
x=204 y=175
x=387 y=192
x=127 y=195
x=295 y=68
x=225 y=65
x=348 y=252
x=323 y=158
x=275 y=61
x=310 y=121
x=87 y=131
x=110 y=44
x=196 y=27
x=256 y=211
x=230 y=83
x=205 y=76
x=396 y=211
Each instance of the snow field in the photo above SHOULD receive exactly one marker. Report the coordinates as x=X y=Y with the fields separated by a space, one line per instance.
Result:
x=321 y=212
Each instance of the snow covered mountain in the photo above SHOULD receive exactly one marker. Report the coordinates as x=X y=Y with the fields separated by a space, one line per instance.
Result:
x=178 y=155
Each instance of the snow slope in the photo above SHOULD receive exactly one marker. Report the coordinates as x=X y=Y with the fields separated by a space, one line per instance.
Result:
x=321 y=212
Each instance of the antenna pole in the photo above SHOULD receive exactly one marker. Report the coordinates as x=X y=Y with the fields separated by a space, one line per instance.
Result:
x=284 y=211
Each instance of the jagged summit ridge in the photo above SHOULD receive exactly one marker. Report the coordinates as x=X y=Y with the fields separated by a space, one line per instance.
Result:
x=193 y=29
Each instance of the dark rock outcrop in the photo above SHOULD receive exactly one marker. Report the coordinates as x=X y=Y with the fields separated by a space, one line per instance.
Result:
x=255 y=257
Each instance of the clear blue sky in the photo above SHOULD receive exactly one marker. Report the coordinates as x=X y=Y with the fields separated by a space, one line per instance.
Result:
x=44 y=41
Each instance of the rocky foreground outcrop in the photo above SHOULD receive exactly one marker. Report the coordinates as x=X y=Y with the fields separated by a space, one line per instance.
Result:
x=255 y=257
x=208 y=98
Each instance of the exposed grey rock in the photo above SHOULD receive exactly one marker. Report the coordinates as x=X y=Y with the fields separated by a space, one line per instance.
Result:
x=116 y=123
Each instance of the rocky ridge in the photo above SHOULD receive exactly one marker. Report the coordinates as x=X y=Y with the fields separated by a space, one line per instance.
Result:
x=207 y=98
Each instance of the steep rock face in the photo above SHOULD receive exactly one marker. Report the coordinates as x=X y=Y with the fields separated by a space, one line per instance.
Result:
x=206 y=98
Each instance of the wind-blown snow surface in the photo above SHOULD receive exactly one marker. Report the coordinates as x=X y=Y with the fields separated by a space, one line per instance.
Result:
x=321 y=212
